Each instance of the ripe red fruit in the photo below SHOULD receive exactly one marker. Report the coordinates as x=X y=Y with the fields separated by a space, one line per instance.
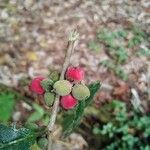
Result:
x=35 y=85
x=75 y=73
x=68 y=102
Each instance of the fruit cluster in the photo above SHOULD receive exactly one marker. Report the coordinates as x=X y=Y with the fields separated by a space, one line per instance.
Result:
x=71 y=89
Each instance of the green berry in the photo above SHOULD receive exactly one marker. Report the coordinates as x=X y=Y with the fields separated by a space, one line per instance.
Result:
x=42 y=143
x=54 y=76
x=49 y=98
x=62 y=87
x=47 y=84
x=80 y=92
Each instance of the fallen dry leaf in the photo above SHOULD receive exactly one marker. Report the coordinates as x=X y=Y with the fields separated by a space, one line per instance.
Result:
x=120 y=90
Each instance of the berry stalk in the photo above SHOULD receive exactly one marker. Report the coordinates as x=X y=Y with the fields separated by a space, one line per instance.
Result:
x=70 y=49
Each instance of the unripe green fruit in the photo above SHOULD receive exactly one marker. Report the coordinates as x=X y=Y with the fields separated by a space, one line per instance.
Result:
x=54 y=76
x=49 y=98
x=62 y=87
x=42 y=143
x=80 y=92
x=47 y=84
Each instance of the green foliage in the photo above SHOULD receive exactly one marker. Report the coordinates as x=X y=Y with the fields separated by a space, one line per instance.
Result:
x=72 y=118
x=16 y=139
x=118 y=46
x=108 y=37
x=121 y=130
x=35 y=147
x=37 y=115
x=138 y=37
x=116 y=49
x=5 y=89
x=7 y=102
x=45 y=119
x=8 y=98
x=144 y=52
x=113 y=41
x=42 y=143
x=32 y=126
x=68 y=120
x=114 y=111
x=116 y=69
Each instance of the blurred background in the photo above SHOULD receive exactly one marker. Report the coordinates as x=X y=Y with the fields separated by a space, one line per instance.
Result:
x=113 y=48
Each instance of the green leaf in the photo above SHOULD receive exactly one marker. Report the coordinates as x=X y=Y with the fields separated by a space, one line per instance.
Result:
x=16 y=139
x=7 y=103
x=34 y=117
x=7 y=90
x=79 y=113
x=31 y=126
x=94 y=87
x=45 y=120
x=35 y=147
x=38 y=108
x=73 y=117
x=68 y=121
x=37 y=115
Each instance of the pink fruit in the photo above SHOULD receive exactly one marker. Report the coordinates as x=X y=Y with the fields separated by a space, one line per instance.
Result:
x=35 y=85
x=75 y=73
x=68 y=102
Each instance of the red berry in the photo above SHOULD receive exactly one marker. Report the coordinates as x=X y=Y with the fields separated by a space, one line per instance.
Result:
x=35 y=85
x=75 y=74
x=68 y=102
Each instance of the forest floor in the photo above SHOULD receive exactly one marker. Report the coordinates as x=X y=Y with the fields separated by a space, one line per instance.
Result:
x=113 y=45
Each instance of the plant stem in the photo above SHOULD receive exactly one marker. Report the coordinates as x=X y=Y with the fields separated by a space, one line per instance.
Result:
x=70 y=48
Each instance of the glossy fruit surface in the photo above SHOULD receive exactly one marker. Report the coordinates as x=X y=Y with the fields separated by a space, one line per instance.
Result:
x=68 y=102
x=75 y=73
x=35 y=85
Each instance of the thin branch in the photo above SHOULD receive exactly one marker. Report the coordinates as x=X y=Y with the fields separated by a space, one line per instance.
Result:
x=70 y=48
x=71 y=45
